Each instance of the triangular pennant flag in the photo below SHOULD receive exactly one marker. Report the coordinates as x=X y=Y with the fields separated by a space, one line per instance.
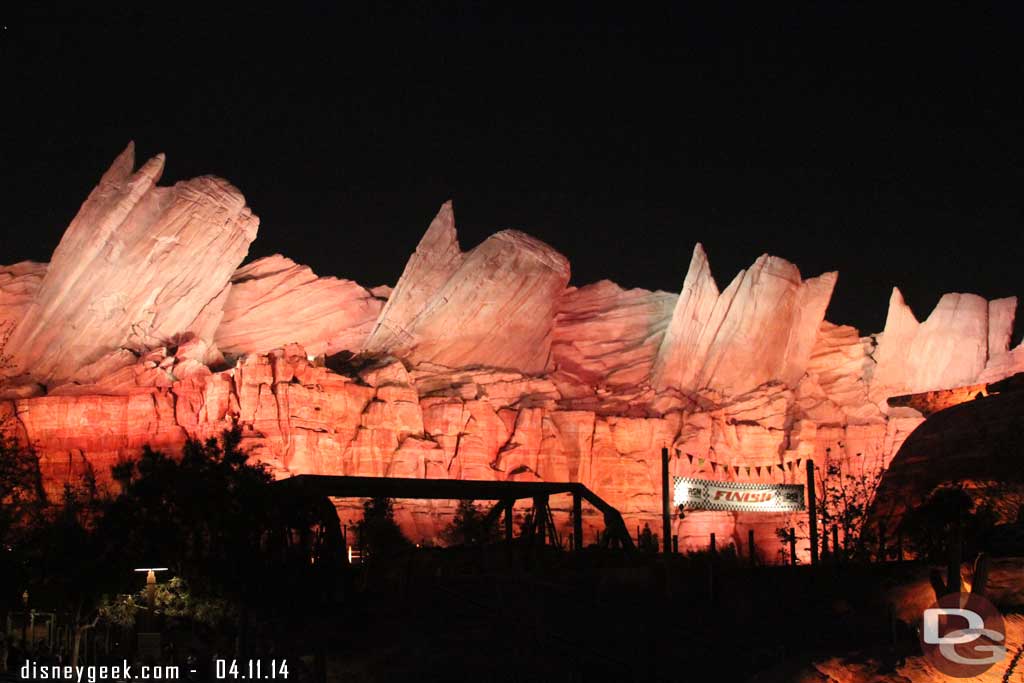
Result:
x=714 y=467
x=758 y=470
x=690 y=457
x=748 y=471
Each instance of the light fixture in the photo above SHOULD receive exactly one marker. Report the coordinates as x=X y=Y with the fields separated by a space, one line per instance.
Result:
x=151 y=573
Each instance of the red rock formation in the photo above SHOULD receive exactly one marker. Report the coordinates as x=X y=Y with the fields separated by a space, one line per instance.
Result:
x=18 y=286
x=493 y=306
x=435 y=260
x=607 y=336
x=930 y=402
x=481 y=365
x=135 y=270
x=761 y=328
x=274 y=301
x=951 y=348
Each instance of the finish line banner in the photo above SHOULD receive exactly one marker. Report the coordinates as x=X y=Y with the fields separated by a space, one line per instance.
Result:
x=704 y=494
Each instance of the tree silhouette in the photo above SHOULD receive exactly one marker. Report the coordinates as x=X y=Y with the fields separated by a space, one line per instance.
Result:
x=469 y=526
x=378 y=532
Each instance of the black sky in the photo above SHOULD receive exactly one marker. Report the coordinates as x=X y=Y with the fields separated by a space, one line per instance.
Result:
x=885 y=146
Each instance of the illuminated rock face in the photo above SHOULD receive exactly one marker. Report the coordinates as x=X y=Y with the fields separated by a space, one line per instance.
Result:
x=493 y=306
x=138 y=267
x=608 y=336
x=274 y=301
x=761 y=328
x=480 y=365
x=954 y=346
x=18 y=286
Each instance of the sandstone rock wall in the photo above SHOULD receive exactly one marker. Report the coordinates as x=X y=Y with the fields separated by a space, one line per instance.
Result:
x=759 y=329
x=137 y=268
x=18 y=286
x=960 y=340
x=608 y=336
x=274 y=301
x=493 y=306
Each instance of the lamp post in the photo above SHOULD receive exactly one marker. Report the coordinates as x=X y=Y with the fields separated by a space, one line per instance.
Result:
x=149 y=642
x=151 y=585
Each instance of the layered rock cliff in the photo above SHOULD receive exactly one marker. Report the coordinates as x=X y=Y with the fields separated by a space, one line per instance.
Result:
x=275 y=301
x=139 y=267
x=483 y=364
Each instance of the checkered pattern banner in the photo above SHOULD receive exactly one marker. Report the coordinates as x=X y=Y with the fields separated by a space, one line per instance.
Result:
x=704 y=494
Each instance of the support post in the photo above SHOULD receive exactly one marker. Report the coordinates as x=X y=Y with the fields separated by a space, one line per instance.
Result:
x=751 y=548
x=508 y=521
x=577 y=521
x=675 y=545
x=540 y=518
x=712 y=569
x=714 y=546
x=812 y=511
x=666 y=520
x=792 y=545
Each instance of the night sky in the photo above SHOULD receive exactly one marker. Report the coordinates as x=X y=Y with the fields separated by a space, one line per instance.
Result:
x=887 y=147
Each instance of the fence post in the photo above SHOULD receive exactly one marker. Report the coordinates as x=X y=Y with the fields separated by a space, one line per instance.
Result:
x=835 y=543
x=713 y=547
x=812 y=511
x=792 y=546
x=675 y=544
x=750 y=545
x=666 y=519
